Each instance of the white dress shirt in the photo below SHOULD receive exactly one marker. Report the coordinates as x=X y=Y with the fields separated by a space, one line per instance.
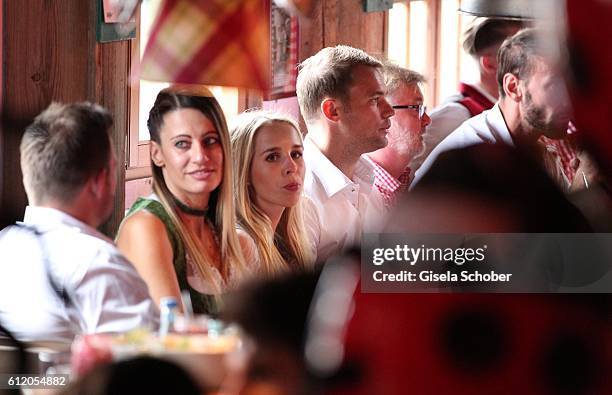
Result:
x=487 y=127
x=344 y=208
x=105 y=293
x=444 y=119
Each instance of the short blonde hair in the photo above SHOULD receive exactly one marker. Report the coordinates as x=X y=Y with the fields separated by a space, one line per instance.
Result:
x=328 y=73
x=396 y=76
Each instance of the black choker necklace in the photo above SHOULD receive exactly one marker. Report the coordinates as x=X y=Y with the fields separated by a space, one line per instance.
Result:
x=189 y=210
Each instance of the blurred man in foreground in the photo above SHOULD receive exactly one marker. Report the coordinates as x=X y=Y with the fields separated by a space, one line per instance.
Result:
x=58 y=275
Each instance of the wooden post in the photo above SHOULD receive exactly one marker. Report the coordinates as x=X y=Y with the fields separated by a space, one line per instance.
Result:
x=50 y=54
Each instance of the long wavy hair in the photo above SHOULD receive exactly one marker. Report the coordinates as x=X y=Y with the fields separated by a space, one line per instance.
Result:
x=287 y=247
x=221 y=204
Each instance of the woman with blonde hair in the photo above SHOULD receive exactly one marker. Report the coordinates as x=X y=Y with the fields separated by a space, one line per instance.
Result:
x=183 y=236
x=268 y=180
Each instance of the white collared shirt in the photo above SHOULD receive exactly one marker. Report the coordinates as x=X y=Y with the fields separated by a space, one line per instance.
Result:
x=487 y=127
x=345 y=208
x=106 y=293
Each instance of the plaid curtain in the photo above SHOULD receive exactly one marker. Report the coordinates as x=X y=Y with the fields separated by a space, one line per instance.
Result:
x=213 y=42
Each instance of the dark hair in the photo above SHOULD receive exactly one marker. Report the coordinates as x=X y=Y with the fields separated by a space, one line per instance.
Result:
x=484 y=33
x=65 y=146
x=221 y=202
x=172 y=99
x=516 y=55
x=142 y=375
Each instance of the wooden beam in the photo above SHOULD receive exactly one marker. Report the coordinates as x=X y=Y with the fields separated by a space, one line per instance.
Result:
x=50 y=54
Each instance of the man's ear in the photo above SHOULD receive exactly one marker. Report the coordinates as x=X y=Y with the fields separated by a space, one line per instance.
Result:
x=329 y=108
x=513 y=87
x=489 y=63
x=156 y=155
x=99 y=182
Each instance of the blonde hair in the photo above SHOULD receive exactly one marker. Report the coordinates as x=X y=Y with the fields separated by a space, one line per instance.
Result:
x=396 y=76
x=287 y=246
x=328 y=73
x=221 y=205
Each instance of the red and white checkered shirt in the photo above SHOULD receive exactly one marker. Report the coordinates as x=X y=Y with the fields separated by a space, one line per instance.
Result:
x=388 y=186
x=566 y=156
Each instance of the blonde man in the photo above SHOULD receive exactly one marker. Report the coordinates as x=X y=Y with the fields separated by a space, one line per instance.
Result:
x=342 y=98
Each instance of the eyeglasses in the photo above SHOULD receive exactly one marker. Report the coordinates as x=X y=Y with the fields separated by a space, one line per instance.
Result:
x=420 y=108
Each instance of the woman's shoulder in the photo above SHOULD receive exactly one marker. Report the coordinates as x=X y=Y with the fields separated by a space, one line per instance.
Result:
x=142 y=227
x=312 y=224
x=149 y=211
x=150 y=204
x=148 y=221
x=143 y=219
x=309 y=206
x=144 y=234
x=249 y=248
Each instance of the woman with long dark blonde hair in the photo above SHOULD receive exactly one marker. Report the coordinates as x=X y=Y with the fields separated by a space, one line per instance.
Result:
x=183 y=236
x=268 y=181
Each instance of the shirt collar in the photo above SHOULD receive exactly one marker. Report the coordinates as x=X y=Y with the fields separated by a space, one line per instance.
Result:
x=330 y=177
x=497 y=123
x=480 y=88
x=46 y=218
x=382 y=178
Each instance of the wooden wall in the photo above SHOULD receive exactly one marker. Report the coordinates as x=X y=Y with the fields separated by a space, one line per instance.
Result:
x=50 y=54
x=342 y=22
x=335 y=22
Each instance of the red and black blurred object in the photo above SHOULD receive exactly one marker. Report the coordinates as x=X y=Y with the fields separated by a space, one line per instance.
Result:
x=589 y=37
x=461 y=344
x=476 y=344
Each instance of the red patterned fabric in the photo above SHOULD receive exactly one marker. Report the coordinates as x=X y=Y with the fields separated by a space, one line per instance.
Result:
x=209 y=42
x=388 y=186
x=473 y=100
x=565 y=153
x=588 y=39
x=304 y=7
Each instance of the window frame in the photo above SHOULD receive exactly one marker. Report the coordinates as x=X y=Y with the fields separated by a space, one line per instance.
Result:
x=433 y=69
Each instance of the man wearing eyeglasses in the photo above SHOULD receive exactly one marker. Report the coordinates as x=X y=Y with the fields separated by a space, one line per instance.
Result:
x=391 y=163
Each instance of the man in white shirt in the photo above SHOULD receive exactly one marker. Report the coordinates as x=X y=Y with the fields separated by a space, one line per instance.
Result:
x=58 y=275
x=481 y=40
x=342 y=99
x=533 y=103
